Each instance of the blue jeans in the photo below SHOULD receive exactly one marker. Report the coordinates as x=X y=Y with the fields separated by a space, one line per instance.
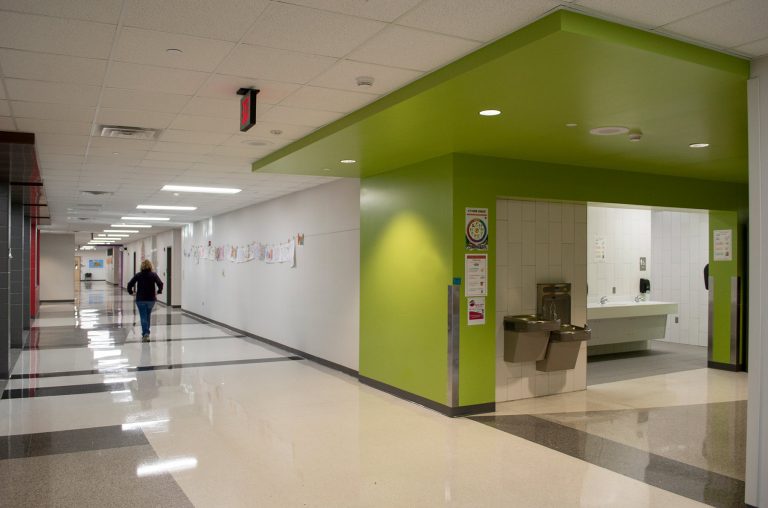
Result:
x=145 y=311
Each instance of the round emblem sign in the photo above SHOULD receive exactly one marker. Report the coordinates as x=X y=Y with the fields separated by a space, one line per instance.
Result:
x=477 y=232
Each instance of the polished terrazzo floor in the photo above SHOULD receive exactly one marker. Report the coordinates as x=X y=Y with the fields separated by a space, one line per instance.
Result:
x=202 y=416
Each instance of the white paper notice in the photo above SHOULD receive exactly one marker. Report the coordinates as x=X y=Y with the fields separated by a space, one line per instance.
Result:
x=599 y=249
x=723 y=245
x=476 y=310
x=476 y=274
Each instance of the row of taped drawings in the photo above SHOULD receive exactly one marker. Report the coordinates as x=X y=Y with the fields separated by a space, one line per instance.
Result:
x=254 y=251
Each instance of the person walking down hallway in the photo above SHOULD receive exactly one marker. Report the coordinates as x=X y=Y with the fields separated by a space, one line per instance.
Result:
x=145 y=282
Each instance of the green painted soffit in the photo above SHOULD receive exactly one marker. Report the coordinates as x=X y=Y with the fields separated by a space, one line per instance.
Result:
x=564 y=68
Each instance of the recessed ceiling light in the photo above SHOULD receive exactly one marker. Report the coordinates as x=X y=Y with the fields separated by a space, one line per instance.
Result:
x=490 y=112
x=130 y=226
x=121 y=230
x=209 y=190
x=571 y=125
x=145 y=218
x=115 y=153
x=166 y=207
x=364 y=81
x=347 y=161
x=612 y=130
x=699 y=145
x=174 y=51
x=326 y=169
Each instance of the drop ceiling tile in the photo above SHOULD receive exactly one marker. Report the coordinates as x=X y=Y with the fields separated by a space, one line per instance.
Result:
x=49 y=111
x=171 y=156
x=115 y=155
x=134 y=118
x=227 y=20
x=54 y=126
x=58 y=68
x=274 y=64
x=149 y=47
x=59 y=93
x=297 y=116
x=102 y=11
x=306 y=30
x=263 y=130
x=755 y=49
x=652 y=13
x=59 y=149
x=4 y=109
x=206 y=124
x=480 y=20
x=386 y=79
x=221 y=108
x=728 y=25
x=183 y=148
x=412 y=49
x=328 y=99
x=2 y=92
x=388 y=10
x=206 y=138
x=149 y=101
x=61 y=159
x=118 y=145
x=62 y=140
x=222 y=86
x=154 y=79
x=245 y=152
x=6 y=124
x=55 y=35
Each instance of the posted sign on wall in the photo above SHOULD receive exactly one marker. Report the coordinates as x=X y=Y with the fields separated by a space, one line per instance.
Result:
x=476 y=274
x=476 y=228
x=722 y=240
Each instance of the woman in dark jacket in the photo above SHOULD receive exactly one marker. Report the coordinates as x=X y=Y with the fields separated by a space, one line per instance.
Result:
x=145 y=282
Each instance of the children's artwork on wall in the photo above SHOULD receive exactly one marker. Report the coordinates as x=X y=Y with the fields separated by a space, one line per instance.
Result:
x=269 y=253
x=95 y=263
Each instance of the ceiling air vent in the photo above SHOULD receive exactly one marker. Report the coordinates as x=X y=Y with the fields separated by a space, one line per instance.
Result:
x=123 y=132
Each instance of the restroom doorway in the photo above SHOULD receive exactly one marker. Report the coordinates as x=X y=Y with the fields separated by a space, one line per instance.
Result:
x=647 y=303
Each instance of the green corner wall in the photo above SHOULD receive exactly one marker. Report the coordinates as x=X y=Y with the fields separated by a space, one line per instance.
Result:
x=412 y=246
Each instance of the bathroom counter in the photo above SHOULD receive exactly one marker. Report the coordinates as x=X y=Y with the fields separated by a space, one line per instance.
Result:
x=613 y=310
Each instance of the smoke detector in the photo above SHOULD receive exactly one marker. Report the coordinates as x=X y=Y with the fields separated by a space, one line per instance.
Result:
x=364 y=81
x=276 y=132
x=125 y=132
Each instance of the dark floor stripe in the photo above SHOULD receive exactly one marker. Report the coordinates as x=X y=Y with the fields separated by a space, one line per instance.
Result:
x=154 y=367
x=671 y=475
x=69 y=441
x=52 y=391
x=118 y=344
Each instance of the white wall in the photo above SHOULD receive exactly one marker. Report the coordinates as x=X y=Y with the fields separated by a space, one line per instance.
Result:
x=538 y=242
x=680 y=252
x=96 y=273
x=627 y=235
x=57 y=266
x=313 y=307
x=154 y=249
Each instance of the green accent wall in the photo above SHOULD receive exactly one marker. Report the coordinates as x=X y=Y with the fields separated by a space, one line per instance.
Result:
x=723 y=271
x=405 y=271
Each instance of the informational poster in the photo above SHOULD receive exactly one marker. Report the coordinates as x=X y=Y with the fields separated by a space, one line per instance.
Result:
x=476 y=310
x=476 y=274
x=95 y=263
x=476 y=228
x=598 y=249
x=723 y=245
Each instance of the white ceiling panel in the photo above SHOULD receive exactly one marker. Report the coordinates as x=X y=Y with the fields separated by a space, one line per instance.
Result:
x=225 y=20
x=55 y=35
x=149 y=47
x=45 y=139
x=412 y=49
x=274 y=64
x=222 y=86
x=59 y=150
x=757 y=48
x=651 y=13
x=480 y=20
x=382 y=10
x=53 y=126
x=154 y=79
x=118 y=145
x=148 y=101
x=2 y=91
x=328 y=99
x=4 y=109
x=263 y=130
x=297 y=116
x=103 y=11
x=61 y=159
x=221 y=108
x=58 y=68
x=732 y=24
x=243 y=151
x=205 y=138
x=6 y=124
x=134 y=118
x=49 y=111
x=59 y=93
x=386 y=79
x=307 y=30
x=174 y=157
x=206 y=124
x=114 y=155
x=183 y=148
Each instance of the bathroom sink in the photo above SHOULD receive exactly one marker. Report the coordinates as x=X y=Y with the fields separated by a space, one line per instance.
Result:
x=570 y=333
x=530 y=323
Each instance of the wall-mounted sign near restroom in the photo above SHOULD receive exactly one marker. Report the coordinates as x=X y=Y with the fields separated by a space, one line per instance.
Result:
x=642 y=264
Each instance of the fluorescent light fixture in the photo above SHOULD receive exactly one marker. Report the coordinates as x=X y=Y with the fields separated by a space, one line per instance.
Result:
x=166 y=207
x=166 y=466
x=130 y=225
x=699 y=145
x=490 y=112
x=208 y=190
x=145 y=218
x=121 y=230
x=114 y=235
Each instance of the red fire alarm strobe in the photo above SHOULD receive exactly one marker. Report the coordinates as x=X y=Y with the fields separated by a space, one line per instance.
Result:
x=247 y=108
